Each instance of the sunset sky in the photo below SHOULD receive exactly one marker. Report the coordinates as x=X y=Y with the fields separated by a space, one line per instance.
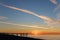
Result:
x=29 y=15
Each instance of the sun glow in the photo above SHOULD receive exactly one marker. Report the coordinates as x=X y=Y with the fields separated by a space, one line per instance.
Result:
x=35 y=32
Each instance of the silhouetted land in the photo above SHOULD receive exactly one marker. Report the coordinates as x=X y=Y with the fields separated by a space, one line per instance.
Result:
x=12 y=37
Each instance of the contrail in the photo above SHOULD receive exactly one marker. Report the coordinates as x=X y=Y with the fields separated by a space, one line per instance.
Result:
x=29 y=12
x=31 y=26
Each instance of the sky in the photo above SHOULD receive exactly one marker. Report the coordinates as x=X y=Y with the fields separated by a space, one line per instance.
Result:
x=21 y=15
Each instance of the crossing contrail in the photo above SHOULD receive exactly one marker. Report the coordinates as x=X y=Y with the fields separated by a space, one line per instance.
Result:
x=56 y=3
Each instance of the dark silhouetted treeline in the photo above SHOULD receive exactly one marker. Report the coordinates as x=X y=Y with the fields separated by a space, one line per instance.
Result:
x=4 y=36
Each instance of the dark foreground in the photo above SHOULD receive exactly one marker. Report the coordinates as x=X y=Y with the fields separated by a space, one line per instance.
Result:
x=12 y=37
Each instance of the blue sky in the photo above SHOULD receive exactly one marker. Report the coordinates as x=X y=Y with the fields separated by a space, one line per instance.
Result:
x=40 y=7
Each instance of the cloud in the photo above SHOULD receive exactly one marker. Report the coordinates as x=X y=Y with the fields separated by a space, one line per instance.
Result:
x=29 y=12
x=54 y=1
x=3 y=18
x=50 y=22
x=31 y=26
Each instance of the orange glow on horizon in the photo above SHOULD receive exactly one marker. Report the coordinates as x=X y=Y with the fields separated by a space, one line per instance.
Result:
x=35 y=32
x=31 y=32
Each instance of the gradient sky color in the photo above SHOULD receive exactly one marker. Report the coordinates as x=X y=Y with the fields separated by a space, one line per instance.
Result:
x=16 y=18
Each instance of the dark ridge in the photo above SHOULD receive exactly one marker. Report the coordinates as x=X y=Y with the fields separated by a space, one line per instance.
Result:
x=12 y=37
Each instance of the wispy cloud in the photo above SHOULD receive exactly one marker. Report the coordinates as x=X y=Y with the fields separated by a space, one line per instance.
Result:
x=31 y=26
x=54 y=1
x=49 y=21
x=29 y=12
x=3 y=18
